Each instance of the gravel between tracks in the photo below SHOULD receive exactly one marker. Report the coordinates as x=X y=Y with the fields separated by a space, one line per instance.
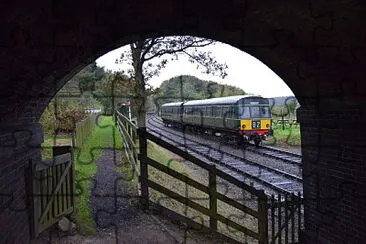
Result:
x=241 y=152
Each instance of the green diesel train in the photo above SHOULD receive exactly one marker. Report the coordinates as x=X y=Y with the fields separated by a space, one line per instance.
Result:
x=245 y=117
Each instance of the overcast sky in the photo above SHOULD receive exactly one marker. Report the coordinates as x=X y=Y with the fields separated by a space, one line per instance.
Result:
x=244 y=71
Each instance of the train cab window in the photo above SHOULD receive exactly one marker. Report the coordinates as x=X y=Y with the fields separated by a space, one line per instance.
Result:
x=259 y=112
x=265 y=112
x=244 y=112
x=255 y=111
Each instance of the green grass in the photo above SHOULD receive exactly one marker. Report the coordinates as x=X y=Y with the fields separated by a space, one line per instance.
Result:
x=102 y=136
x=289 y=137
x=156 y=153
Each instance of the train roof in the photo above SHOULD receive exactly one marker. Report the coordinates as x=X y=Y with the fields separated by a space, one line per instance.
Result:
x=219 y=100
x=172 y=104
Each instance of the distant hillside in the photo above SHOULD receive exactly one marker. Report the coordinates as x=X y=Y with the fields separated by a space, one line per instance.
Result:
x=185 y=87
x=280 y=101
x=284 y=106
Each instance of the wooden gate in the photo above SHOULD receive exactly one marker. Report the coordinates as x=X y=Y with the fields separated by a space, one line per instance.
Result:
x=285 y=218
x=51 y=189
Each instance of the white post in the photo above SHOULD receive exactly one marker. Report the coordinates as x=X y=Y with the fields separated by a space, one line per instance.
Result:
x=129 y=110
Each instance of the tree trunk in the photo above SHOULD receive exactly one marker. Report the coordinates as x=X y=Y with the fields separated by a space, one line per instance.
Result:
x=136 y=49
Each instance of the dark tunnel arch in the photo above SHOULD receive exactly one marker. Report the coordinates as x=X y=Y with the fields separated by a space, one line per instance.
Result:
x=317 y=48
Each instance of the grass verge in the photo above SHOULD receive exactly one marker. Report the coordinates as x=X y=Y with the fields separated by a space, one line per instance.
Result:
x=289 y=137
x=105 y=135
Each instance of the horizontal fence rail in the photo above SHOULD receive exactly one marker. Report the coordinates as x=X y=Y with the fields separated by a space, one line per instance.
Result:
x=130 y=138
x=278 y=219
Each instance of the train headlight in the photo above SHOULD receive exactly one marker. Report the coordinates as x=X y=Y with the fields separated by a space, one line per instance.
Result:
x=267 y=125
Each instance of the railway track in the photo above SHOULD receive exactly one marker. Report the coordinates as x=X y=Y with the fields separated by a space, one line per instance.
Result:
x=271 y=180
x=267 y=151
x=275 y=153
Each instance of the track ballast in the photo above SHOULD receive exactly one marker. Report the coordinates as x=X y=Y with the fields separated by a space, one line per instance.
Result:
x=270 y=179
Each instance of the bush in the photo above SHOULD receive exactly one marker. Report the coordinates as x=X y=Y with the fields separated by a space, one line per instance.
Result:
x=61 y=116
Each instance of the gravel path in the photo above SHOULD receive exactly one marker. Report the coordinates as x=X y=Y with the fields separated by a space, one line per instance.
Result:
x=111 y=207
x=109 y=200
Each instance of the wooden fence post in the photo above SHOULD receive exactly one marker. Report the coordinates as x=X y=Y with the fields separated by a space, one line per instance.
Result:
x=32 y=197
x=143 y=168
x=263 y=218
x=213 y=199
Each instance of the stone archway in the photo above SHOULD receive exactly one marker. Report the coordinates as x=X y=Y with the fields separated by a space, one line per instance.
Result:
x=316 y=48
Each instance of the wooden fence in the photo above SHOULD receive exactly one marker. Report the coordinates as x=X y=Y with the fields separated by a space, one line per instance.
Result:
x=83 y=129
x=130 y=138
x=51 y=189
x=264 y=212
x=285 y=218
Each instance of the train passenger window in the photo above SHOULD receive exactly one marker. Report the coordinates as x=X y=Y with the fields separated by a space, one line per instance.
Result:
x=200 y=110
x=226 y=112
x=219 y=112
x=209 y=111
x=225 y=109
x=216 y=111
x=232 y=112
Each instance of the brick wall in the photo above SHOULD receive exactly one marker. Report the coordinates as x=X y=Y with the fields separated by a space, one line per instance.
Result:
x=334 y=173
x=18 y=144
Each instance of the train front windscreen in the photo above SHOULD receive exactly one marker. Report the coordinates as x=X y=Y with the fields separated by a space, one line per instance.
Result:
x=254 y=108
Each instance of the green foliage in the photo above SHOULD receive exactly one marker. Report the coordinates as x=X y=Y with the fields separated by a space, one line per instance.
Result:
x=283 y=106
x=61 y=116
x=70 y=103
x=113 y=89
x=289 y=137
x=85 y=81
x=187 y=87
x=291 y=106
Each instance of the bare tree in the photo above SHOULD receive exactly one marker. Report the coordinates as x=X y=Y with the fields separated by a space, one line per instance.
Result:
x=149 y=56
